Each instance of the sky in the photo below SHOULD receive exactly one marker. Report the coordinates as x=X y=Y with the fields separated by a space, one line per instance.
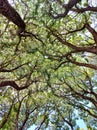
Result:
x=80 y=123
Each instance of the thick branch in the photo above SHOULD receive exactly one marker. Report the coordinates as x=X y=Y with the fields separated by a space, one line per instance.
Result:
x=92 y=31
x=82 y=64
x=12 y=84
x=82 y=10
x=92 y=49
x=67 y=7
x=12 y=15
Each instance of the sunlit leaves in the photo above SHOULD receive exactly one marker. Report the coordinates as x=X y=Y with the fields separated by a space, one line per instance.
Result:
x=57 y=91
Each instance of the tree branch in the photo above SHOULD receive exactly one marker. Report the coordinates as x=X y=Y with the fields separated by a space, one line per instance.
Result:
x=82 y=64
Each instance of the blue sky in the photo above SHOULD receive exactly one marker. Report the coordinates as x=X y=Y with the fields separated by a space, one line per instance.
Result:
x=31 y=128
x=80 y=123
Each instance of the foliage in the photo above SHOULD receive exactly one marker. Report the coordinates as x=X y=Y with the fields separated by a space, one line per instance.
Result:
x=48 y=80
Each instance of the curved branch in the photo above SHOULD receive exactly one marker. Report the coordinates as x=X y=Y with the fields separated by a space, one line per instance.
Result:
x=82 y=64
x=11 y=70
x=12 y=84
x=12 y=15
x=82 y=10
x=67 y=7
x=92 y=49
x=92 y=31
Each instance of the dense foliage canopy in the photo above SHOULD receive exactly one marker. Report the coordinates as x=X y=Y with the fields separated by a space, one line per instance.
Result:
x=48 y=79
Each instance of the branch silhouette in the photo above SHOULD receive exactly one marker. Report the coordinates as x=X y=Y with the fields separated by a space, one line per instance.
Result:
x=12 y=15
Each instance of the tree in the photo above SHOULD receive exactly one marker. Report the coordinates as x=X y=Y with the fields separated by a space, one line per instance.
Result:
x=48 y=79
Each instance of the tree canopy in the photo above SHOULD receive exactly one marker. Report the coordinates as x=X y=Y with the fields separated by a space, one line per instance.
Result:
x=48 y=75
